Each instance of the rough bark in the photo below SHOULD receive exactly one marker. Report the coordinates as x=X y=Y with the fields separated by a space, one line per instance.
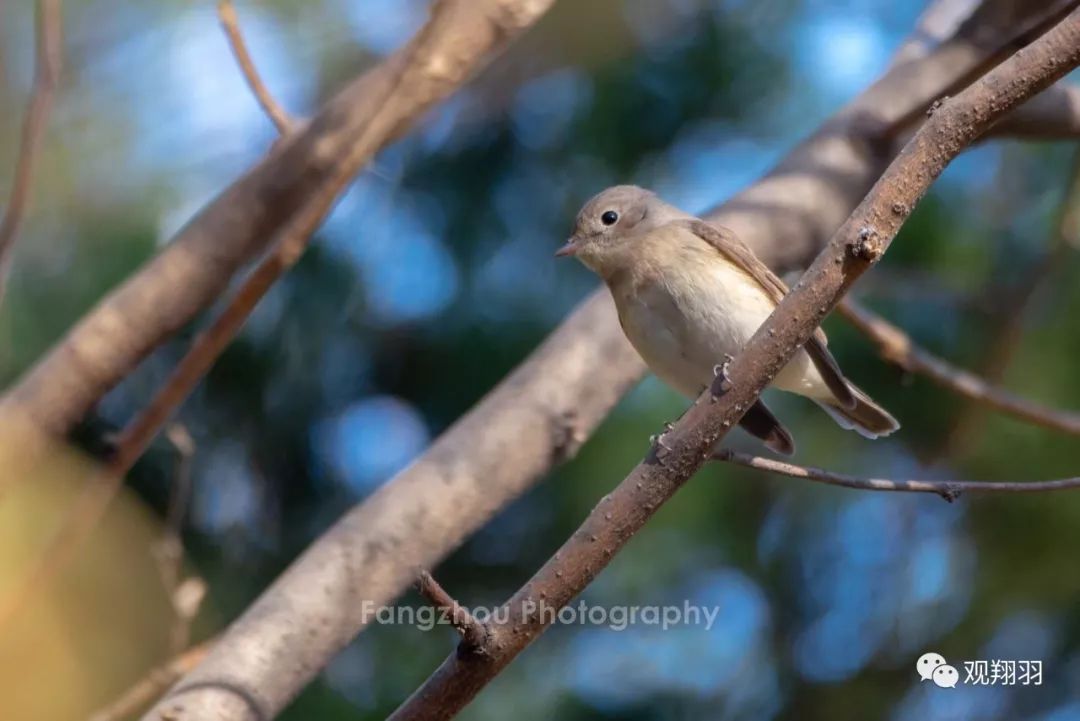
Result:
x=897 y=347
x=948 y=490
x=539 y=415
x=535 y=418
x=241 y=222
x=856 y=246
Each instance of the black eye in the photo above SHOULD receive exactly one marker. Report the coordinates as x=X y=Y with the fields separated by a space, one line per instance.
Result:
x=610 y=217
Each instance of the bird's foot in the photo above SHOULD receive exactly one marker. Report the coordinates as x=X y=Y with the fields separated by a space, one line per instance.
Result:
x=659 y=448
x=721 y=380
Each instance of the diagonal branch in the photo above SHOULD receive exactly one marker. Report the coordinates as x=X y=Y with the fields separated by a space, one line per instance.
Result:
x=858 y=245
x=412 y=73
x=140 y=431
x=292 y=186
x=949 y=490
x=46 y=78
x=231 y=24
x=897 y=347
x=425 y=62
x=791 y=213
x=473 y=632
x=785 y=218
x=543 y=411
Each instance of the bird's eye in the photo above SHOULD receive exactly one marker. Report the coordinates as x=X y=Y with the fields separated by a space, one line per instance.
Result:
x=610 y=217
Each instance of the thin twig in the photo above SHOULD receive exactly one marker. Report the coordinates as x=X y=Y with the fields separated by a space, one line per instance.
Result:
x=169 y=551
x=949 y=490
x=152 y=685
x=472 y=631
x=231 y=24
x=186 y=600
x=186 y=596
x=46 y=77
x=897 y=347
x=854 y=248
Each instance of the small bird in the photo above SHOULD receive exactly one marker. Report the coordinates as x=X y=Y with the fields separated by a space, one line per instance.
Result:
x=690 y=295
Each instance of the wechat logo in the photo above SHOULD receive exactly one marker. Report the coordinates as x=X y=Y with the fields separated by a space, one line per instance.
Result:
x=933 y=667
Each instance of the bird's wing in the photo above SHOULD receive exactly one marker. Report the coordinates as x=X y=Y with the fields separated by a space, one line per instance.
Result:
x=740 y=254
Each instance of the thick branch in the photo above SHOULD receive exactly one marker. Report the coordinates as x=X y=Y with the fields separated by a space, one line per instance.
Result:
x=290 y=183
x=140 y=431
x=543 y=412
x=46 y=76
x=896 y=346
x=938 y=21
x=191 y=272
x=253 y=677
x=949 y=490
x=858 y=244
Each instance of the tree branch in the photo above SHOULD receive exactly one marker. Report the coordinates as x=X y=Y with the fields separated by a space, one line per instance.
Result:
x=169 y=551
x=197 y=264
x=788 y=215
x=1051 y=115
x=544 y=410
x=473 y=633
x=859 y=243
x=438 y=55
x=897 y=347
x=949 y=490
x=288 y=189
x=137 y=435
x=231 y=24
x=50 y=49
x=938 y=22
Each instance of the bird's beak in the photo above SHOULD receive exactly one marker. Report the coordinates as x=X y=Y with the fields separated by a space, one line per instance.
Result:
x=569 y=248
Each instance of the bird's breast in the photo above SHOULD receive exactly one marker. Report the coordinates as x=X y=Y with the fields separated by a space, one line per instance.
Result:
x=683 y=319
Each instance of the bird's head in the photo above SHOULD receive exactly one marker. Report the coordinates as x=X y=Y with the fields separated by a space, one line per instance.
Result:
x=610 y=220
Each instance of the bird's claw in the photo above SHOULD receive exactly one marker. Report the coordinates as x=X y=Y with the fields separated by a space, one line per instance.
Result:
x=721 y=380
x=656 y=440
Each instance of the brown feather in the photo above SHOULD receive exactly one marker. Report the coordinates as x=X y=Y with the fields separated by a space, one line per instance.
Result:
x=760 y=422
x=729 y=245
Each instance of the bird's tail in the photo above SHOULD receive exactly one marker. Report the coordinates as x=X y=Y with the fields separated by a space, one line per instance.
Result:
x=867 y=418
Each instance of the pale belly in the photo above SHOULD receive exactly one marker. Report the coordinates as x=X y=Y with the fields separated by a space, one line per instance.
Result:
x=682 y=339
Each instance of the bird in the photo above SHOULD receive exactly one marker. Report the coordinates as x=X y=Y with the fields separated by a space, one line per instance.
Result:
x=690 y=294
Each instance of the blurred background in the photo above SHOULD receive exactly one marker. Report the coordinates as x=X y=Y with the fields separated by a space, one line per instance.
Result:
x=434 y=277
